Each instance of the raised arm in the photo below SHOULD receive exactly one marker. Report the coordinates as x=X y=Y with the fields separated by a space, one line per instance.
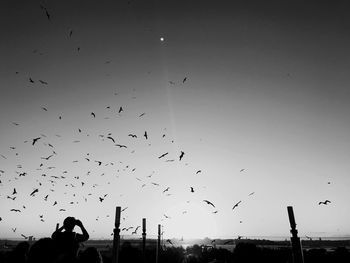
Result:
x=85 y=235
x=57 y=232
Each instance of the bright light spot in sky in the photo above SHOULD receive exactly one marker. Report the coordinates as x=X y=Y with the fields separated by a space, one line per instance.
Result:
x=162 y=39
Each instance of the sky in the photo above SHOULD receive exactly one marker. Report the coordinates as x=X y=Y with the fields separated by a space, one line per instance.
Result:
x=254 y=93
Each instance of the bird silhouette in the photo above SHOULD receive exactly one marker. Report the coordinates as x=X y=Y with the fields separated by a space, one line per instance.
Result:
x=47 y=158
x=93 y=114
x=236 y=205
x=142 y=114
x=14 y=191
x=120 y=110
x=167 y=189
x=111 y=138
x=183 y=81
x=132 y=135
x=324 y=202
x=199 y=171
x=135 y=231
x=35 y=140
x=181 y=155
x=146 y=135
x=241 y=170
x=192 y=190
x=31 y=80
x=43 y=82
x=164 y=154
x=209 y=203
x=169 y=241
x=15 y=210
x=121 y=146
x=70 y=33
x=34 y=191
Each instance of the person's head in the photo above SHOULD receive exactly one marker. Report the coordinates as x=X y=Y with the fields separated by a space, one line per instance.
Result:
x=69 y=223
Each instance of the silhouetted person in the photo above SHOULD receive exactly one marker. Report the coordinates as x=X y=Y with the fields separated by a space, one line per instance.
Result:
x=90 y=255
x=68 y=241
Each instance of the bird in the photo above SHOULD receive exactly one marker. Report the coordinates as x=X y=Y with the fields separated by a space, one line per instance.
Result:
x=251 y=193
x=164 y=154
x=199 y=171
x=168 y=217
x=142 y=114
x=70 y=33
x=14 y=229
x=192 y=190
x=47 y=158
x=93 y=114
x=55 y=203
x=215 y=212
x=120 y=110
x=169 y=241
x=35 y=140
x=183 y=81
x=15 y=123
x=31 y=80
x=121 y=146
x=15 y=210
x=111 y=138
x=241 y=170
x=135 y=231
x=146 y=135
x=181 y=155
x=236 y=205
x=14 y=191
x=34 y=191
x=167 y=189
x=43 y=82
x=209 y=203
x=99 y=162
x=132 y=135
x=124 y=209
x=324 y=203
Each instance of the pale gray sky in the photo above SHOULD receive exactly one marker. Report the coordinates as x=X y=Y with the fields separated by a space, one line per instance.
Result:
x=266 y=91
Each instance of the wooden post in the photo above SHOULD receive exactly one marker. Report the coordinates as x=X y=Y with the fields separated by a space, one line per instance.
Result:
x=158 y=243
x=296 y=245
x=144 y=240
x=116 y=236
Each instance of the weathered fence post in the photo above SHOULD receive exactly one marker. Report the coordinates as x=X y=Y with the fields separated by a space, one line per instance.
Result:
x=116 y=236
x=158 y=244
x=144 y=239
x=296 y=245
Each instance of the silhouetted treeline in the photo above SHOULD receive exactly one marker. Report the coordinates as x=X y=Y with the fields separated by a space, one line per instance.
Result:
x=44 y=250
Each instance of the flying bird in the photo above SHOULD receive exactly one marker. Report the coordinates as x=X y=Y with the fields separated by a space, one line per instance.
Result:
x=181 y=155
x=142 y=114
x=199 y=171
x=192 y=190
x=209 y=203
x=14 y=191
x=111 y=138
x=121 y=146
x=15 y=210
x=93 y=114
x=167 y=189
x=31 y=80
x=43 y=82
x=135 y=231
x=164 y=154
x=35 y=140
x=241 y=170
x=47 y=158
x=251 y=193
x=120 y=110
x=132 y=135
x=324 y=203
x=183 y=81
x=169 y=241
x=70 y=33
x=146 y=135
x=34 y=191
x=236 y=205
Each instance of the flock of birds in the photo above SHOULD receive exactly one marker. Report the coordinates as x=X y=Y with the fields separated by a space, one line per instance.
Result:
x=47 y=187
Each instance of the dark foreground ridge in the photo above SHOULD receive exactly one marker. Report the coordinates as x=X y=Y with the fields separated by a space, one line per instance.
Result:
x=207 y=250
